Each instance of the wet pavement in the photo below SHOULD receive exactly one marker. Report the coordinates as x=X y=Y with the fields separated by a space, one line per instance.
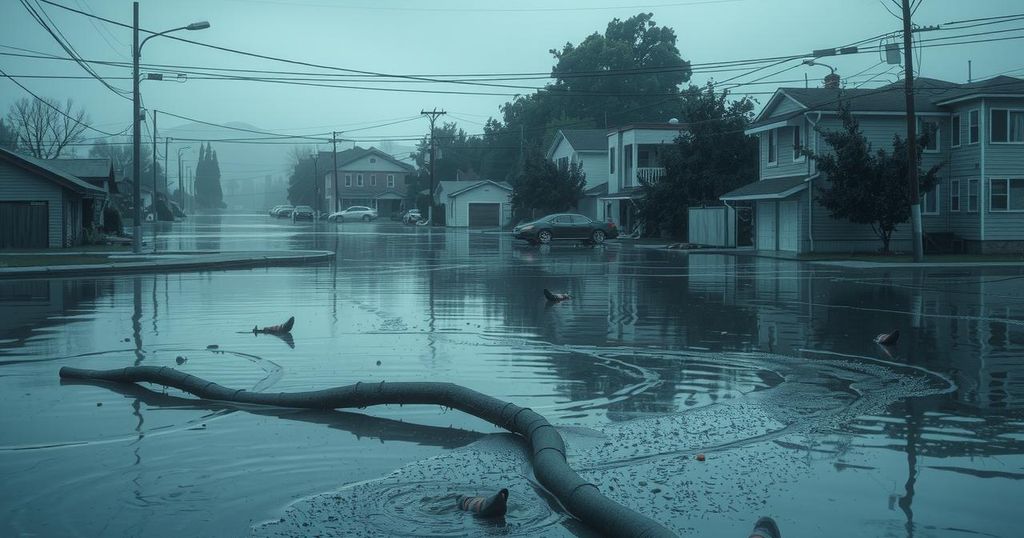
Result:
x=765 y=366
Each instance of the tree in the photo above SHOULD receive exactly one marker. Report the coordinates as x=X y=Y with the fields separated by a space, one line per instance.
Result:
x=709 y=159
x=8 y=138
x=44 y=127
x=546 y=187
x=120 y=155
x=209 y=194
x=865 y=187
x=300 y=181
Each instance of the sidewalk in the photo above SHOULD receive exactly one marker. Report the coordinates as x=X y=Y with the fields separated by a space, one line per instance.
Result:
x=118 y=263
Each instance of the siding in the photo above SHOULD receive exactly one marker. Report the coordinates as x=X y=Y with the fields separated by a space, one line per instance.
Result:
x=1002 y=161
x=595 y=166
x=786 y=166
x=17 y=185
x=458 y=210
x=785 y=106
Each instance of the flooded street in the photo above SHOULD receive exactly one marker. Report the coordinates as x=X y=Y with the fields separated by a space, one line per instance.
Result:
x=766 y=366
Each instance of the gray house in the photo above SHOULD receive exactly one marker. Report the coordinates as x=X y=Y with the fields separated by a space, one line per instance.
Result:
x=41 y=206
x=977 y=132
x=588 y=148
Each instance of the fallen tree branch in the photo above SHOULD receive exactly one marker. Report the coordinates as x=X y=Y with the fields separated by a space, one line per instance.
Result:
x=581 y=498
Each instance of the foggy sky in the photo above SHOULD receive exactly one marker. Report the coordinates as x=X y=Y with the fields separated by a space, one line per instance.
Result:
x=444 y=36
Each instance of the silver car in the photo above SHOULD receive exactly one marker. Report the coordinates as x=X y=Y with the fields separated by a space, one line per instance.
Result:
x=356 y=212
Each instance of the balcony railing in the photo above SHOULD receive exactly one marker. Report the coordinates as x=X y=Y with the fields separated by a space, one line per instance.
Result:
x=650 y=173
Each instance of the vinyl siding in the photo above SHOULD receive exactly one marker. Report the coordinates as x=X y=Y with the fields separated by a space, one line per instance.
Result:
x=18 y=185
x=785 y=106
x=786 y=165
x=595 y=166
x=458 y=207
x=1002 y=160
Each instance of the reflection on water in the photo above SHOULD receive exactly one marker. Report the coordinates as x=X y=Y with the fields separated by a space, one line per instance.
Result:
x=767 y=365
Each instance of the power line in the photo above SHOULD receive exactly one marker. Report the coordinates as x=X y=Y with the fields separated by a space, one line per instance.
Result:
x=61 y=112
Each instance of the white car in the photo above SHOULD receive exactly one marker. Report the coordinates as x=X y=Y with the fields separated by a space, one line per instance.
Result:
x=356 y=212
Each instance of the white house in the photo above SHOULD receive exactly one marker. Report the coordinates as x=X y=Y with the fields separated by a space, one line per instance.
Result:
x=478 y=203
x=634 y=153
x=588 y=147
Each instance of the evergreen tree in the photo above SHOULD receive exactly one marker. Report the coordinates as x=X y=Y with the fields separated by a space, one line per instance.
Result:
x=209 y=194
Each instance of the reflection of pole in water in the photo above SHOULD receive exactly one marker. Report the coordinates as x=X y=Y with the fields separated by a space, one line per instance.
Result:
x=913 y=436
x=155 y=306
x=137 y=318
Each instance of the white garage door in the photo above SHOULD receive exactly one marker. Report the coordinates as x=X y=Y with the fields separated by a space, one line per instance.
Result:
x=788 y=229
x=766 y=225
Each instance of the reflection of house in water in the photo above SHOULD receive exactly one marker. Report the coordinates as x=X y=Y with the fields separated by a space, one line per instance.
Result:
x=29 y=305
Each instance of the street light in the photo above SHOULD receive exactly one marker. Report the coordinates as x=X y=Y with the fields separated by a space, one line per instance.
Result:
x=315 y=155
x=136 y=119
x=181 y=184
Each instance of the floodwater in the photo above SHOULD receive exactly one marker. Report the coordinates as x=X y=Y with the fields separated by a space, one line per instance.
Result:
x=765 y=366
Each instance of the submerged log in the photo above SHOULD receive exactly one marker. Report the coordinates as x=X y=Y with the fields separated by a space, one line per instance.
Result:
x=581 y=498
x=494 y=506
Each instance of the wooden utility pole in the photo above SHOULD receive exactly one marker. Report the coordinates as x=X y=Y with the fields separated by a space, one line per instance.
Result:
x=912 y=172
x=337 y=199
x=432 y=115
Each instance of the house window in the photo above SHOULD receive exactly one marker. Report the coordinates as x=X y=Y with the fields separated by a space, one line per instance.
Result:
x=1006 y=194
x=627 y=165
x=391 y=181
x=563 y=163
x=1007 y=126
x=954 y=195
x=373 y=160
x=773 y=157
x=373 y=180
x=611 y=160
x=930 y=202
x=954 y=131
x=972 y=126
x=930 y=131
x=972 y=196
x=359 y=180
x=348 y=180
x=798 y=146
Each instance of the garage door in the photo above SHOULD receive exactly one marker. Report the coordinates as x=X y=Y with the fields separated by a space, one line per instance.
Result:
x=788 y=232
x=484 y=214
x=766 y=226
x=24 y=225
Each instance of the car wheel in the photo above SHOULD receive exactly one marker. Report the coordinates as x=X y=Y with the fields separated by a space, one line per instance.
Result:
x=366 y=218
x=544 y=236
x=598 y=237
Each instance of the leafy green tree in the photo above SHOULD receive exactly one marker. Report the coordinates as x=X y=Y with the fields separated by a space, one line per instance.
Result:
x=710 y=158
x=866 y=187
x=546 y=187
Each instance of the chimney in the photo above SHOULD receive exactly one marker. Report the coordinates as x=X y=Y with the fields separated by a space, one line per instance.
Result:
x=832 y=81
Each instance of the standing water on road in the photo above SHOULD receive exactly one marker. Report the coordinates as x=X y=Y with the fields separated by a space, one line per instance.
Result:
x=766 y=367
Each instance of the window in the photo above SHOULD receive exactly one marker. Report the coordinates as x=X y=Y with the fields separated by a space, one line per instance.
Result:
x=373 y=160
x=611 y=160
x=359 y=180
x=348 y=180
x=972 y=196
x=563 y=163
x=373 y=180
x=1007 y=126
x=972 y=126
x=930 y=131
x=773 y=157
x=391 y=181
x=954 y=131
x=627 y=165
x=930 y=202
x=798 y=147
x=954 y=195
x=1007 y=194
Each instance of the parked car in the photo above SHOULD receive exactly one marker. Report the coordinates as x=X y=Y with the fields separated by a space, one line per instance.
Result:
x=411 y=216
x=282 y=211
x=356 y=212
x=565 y=226
x=302 y=212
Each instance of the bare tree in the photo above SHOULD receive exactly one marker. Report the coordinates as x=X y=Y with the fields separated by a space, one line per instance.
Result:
x=44 y=127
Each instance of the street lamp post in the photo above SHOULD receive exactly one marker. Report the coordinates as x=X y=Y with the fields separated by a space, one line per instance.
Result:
x=136 y=120
x=182 y=188
x=316 y=183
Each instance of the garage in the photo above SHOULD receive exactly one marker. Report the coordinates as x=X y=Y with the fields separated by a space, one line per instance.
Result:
x=484 y=215
x=766 y=226
x=24 y=224
x=788 y=232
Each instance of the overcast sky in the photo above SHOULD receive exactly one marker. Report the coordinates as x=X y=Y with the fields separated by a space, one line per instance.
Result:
x=448 y=37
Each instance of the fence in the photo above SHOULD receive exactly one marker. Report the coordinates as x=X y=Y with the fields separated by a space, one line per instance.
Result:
x=712 y=226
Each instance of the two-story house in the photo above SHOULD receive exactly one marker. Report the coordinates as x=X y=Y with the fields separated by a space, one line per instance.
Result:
x=588 y=148
x=976 y=130
x=366 y=177
x=633 y=154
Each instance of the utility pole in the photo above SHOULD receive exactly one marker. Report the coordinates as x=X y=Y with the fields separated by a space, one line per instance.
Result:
x=912 y=172
x=156 y=214
x=136 y=137
x=167 y=188
x=432 y=115
x=316 y=181
x=337 y=198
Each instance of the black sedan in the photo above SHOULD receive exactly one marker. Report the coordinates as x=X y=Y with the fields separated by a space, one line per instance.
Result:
x=565 y=226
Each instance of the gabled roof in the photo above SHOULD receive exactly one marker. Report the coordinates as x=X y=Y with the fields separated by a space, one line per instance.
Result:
x=455 y=188
x=586 y=139
x=1001 y=86
x=44 y=169
x=349 y=156
x=93 y=170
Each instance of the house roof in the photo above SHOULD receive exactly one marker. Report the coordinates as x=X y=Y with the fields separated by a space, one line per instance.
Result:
x=455 y=188
x=88 y=169
x=45 y=169
x=351 y=155
x=994 y=87
x=597 y=190
x=650 y=126
x=586 y=139
x=767 y=189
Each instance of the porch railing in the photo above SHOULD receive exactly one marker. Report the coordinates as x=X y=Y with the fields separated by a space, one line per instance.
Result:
x=650 y=173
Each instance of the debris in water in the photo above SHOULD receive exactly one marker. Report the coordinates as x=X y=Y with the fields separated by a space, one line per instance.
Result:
x=700 y=457
x=213 y=346
x=555 y=297
x=180 y=359
x=494 y=506
x=888 y=339
x=283 y=328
